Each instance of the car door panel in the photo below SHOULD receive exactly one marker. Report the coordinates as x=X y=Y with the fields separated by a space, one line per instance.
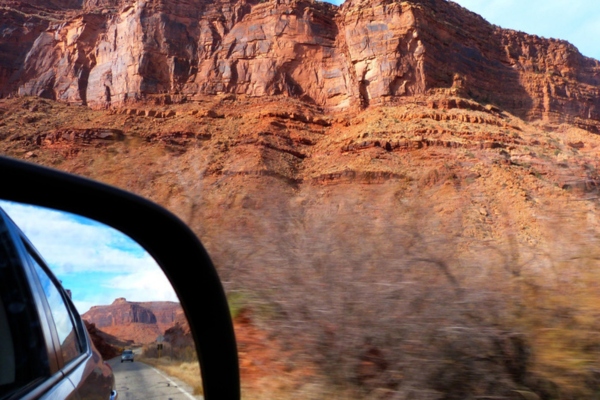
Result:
x=92 y=378
x=32 y=358
x=63 y=389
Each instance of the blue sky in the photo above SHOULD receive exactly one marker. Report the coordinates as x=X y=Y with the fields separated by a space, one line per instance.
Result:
x=97 y=263
x=577 y=21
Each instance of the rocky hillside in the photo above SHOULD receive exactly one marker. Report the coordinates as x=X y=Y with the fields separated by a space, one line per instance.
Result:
x=485 y=222
x=140 y=322
x=107 y=53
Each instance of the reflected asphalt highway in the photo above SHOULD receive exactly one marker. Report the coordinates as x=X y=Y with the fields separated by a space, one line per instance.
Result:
x=139 y=381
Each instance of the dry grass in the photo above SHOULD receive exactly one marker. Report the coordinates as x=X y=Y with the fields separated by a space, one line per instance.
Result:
x=187 y=372
x=561 y=321
x=280 y=388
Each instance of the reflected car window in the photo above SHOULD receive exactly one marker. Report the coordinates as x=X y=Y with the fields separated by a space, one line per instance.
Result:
x=23 y=355
x=67 y=337
x=7 y=356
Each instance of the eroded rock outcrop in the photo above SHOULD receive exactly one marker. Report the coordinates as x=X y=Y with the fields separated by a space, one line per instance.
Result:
x=122 y=312
x=106 y=53
x=139 y=322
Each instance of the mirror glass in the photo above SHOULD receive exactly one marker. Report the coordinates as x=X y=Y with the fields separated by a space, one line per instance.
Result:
x=97 y=263
x=129 y=307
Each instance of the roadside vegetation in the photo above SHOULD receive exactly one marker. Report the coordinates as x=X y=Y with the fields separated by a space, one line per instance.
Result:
x=181 y=363
x=375 y=298
x=414 y=306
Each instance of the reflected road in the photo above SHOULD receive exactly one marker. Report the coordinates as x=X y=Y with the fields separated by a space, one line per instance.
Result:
x=139 y=381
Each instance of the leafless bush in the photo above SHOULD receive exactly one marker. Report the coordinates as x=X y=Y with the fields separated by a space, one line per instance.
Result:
x=150 y=351
x=379 y=298
x=174 y=353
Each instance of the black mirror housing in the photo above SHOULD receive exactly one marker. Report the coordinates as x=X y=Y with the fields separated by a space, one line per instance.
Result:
x=165 y=237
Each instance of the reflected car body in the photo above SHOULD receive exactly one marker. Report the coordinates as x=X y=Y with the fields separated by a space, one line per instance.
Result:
x=46 y=351
x=127 y=356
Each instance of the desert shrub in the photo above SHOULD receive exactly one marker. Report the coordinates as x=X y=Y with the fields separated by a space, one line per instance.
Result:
x=385 y=296
x=150 y=351
x=185 y=353
x=379 y=298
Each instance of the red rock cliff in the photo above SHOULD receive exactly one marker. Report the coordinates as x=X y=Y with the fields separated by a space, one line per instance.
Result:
x=109 y=52
x=123 y=312
x=120 y=312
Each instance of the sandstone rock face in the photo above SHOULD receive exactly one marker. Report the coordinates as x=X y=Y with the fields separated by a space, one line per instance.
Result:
x=54 y=4
x=105 y=53
x=123 y=312
x=19 y=32
x=527 y=75
x=384 y=48
x=167 y=313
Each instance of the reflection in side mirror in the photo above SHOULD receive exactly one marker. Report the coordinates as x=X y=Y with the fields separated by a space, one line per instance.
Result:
x=96 y=262
x=130 y=308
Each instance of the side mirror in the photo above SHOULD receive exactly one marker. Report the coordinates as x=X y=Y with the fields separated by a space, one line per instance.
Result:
x=172 y=244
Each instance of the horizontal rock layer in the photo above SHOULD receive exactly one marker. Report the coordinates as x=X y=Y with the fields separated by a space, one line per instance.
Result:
x=123 y=312
x=106 y=53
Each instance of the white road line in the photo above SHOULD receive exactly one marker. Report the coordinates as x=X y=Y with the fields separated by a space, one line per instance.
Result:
x=174 y=384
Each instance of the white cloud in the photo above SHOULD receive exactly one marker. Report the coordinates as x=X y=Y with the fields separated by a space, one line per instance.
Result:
x=71 y=244
x=84 y=306
x=137 y=286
